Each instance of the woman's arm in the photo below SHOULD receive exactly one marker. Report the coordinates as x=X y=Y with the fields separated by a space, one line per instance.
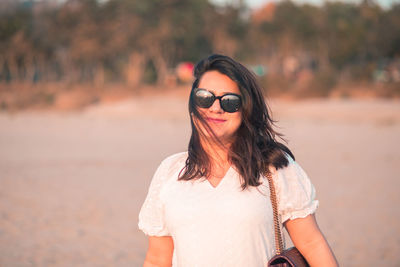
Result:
x=159 y=253
x=309 y=240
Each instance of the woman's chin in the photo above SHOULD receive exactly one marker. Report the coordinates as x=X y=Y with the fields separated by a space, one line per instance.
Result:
x=223 y=138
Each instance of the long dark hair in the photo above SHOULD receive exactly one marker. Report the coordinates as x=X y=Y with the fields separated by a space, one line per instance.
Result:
x=255 y=147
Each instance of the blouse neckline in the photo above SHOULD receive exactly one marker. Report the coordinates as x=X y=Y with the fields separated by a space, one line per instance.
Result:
x=221 y=182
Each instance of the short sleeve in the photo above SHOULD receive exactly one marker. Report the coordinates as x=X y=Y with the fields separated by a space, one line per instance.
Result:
x=295 y=192
x=151 y=216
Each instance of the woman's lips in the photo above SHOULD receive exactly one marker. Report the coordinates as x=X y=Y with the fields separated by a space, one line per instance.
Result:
x=214 y=120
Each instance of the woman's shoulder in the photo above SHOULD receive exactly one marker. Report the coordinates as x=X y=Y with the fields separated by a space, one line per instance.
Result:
x=168 y=169
x=291 y=163
x=173 y=162
x=292 y=175
x=174 y=159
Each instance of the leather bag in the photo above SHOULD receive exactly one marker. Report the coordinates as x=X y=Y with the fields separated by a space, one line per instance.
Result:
x=284 y=258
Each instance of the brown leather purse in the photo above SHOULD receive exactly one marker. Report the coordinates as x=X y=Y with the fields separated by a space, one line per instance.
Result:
x=284 y=258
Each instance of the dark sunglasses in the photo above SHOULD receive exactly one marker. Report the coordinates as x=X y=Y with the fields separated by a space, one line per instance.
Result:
x=229 y=102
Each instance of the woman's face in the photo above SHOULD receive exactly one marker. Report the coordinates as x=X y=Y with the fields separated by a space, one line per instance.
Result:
x=224 y=124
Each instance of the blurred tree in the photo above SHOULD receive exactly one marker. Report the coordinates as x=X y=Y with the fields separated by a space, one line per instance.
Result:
x=115 y=40
x=388 y=33
x=15 y=47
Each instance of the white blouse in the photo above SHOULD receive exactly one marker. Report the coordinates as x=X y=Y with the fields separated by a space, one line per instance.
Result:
x=222 y=225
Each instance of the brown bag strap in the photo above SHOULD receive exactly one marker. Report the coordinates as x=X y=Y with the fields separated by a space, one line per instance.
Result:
x=278 y=235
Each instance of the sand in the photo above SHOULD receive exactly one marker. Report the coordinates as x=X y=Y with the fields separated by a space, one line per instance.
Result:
x=72 y=183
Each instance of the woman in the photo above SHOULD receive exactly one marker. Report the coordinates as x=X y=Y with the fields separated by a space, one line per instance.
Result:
x=210 y=206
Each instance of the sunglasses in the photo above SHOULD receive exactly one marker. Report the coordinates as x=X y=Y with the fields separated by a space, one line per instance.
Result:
x=229 y=102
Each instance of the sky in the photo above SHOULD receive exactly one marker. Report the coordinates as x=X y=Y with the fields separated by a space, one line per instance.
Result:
x=257 y=3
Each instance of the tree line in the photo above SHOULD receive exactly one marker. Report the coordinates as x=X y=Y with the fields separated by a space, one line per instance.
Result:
x=135 y=42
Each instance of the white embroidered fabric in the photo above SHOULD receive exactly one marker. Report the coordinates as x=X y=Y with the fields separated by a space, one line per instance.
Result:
x=222 y=225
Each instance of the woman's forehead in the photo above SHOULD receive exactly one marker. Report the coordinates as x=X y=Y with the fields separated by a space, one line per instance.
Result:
x=218 y=83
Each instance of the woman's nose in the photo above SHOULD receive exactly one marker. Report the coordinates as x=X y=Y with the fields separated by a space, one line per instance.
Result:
x=216 y=106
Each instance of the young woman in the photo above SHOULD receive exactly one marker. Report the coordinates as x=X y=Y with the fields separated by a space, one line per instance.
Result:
x=210 y=206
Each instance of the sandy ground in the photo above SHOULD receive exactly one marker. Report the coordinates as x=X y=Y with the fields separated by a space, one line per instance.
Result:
x=72 y=183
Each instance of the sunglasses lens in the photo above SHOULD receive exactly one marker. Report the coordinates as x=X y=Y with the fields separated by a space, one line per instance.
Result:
x=231 y=103
x=204 y=98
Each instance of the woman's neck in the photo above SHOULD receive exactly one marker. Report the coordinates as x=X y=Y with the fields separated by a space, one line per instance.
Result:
x=219 y=162
x=218 y=153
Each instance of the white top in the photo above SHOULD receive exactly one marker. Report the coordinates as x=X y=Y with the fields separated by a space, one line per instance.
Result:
x=223 y=225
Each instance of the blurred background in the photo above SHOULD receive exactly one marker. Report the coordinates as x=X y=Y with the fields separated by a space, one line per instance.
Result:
x=93 y=95
x=298 y=49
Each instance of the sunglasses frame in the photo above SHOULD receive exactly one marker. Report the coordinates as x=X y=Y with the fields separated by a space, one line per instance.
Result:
x=219 y=98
